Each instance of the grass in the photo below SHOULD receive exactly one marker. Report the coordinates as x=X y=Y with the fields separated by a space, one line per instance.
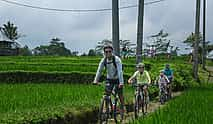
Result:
x=195 y=106
x=42 y=101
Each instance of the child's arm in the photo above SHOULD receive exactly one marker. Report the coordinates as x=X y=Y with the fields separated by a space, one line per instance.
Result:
x=132 y=77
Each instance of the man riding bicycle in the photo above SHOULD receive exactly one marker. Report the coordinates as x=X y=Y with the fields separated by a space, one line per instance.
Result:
x=142 y=79
x=114 y=78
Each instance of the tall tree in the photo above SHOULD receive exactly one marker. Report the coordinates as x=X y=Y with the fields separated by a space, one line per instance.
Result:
x=10 y=31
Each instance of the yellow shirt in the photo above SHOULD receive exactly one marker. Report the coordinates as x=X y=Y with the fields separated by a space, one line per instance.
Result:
x=142 y=78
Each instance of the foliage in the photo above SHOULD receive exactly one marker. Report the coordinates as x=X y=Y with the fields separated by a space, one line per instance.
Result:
x=100 y=46
x=37 y=103
x=55 y=48
x=25 y=51
x=130 y=47
x=191 y=39
x=160 y=41
x=91 y=52
x=10 y=31
x=193 y=107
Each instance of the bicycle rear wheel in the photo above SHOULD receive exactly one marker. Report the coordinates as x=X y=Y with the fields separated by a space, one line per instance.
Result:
x=162 y=97
x=118 y=112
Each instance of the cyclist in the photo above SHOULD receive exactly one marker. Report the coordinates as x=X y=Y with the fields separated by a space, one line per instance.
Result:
x=142 y=78
x=169 y=73
x=162 y=81
x=113 y=65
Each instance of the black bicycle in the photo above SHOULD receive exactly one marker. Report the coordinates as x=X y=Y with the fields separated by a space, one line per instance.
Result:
x=169 y=89
x=163 y=93
x=110 y=108
x=141 y=101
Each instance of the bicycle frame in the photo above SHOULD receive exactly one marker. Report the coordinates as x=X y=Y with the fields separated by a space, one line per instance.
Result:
x=140 y=100
x=110 y=105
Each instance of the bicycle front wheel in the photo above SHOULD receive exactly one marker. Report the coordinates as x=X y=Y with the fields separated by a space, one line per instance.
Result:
x=137 y=105
x=104 y=111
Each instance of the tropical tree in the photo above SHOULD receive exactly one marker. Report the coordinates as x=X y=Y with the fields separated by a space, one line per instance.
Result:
x=56 y=48
x=160 y=41
x=123 y=44
x=91 y=52
x=191 y=39
x=10 y=31
x=25 y=51
x=101 y=44
x=127 y=48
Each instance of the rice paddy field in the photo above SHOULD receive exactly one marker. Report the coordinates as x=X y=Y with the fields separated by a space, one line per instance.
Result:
x=71 y=101
x=35 y=102
x=195 y=106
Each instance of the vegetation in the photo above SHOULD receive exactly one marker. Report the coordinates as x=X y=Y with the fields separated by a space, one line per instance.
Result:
x=10 y=31
x=55 y=48
x=21 y=103
x=193 y=107
x=39 y=88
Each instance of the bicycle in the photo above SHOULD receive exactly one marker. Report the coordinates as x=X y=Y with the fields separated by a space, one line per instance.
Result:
x=109 y=107
x=169 y=89
x=141 y=102
x=163 y=93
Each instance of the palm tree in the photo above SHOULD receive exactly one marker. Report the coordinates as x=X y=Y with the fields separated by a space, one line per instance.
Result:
x=123 y=43
x=127 y=48
x=101 y=44
x=10 y=31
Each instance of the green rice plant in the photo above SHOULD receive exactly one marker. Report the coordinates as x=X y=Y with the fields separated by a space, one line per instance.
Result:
x=193 y=107
x=26 y=102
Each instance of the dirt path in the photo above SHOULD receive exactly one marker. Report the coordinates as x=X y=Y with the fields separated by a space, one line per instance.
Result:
x=153 y=106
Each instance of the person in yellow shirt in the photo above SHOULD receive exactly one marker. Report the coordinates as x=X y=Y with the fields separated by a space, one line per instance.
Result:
x=142 y=79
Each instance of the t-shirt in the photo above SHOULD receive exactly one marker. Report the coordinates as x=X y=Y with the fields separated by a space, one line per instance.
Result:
x=142 y=78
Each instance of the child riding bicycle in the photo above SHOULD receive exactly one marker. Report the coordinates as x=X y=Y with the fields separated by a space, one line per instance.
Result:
x=142 y=79
x=162 y=81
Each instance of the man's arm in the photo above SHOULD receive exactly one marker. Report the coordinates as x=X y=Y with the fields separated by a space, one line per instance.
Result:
x=167 y=80
x=119 y=70
x=99 y=71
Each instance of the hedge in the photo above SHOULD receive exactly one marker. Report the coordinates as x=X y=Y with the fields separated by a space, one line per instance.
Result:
x=49 y=77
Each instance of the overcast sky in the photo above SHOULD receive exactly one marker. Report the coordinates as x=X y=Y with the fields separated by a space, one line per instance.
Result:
x=82 y=31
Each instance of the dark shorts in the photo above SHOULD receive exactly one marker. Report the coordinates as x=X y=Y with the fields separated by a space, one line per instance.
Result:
x=170 y=80
x=113 y=83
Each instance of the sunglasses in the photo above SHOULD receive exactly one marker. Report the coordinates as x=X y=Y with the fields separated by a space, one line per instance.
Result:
x=108 y=51
x=140 y=67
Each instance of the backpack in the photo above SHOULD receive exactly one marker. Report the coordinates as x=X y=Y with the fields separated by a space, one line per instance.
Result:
x=113 y=61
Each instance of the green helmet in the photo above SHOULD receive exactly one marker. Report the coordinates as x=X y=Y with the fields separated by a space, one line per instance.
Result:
x=139 y=65
x=161 y=71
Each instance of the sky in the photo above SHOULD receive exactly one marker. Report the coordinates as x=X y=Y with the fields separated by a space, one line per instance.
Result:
x=81 y=31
